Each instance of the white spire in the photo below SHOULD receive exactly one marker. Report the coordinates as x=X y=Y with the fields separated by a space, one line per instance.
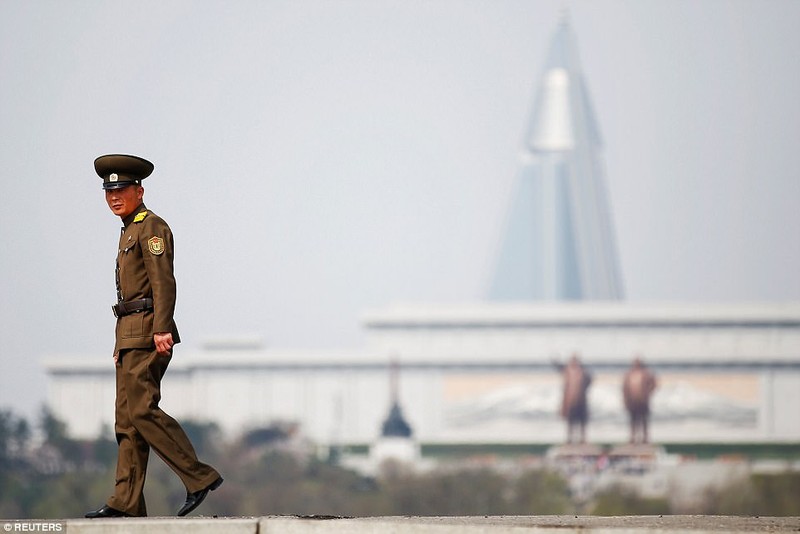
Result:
x=553 y=130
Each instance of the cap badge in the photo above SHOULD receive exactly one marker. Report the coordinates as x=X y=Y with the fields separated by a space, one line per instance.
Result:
x=113 y=177
x=156 y=245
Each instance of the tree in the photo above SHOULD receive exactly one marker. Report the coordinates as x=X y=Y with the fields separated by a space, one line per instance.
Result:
x=468 y=492
x=621 y=500
x=15 y=435
x=542 y=492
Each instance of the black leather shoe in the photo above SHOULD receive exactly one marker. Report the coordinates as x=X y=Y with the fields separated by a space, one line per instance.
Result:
x=193 y=500
x=106 y=511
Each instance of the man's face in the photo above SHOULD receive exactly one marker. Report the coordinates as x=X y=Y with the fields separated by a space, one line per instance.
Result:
x=123 y=201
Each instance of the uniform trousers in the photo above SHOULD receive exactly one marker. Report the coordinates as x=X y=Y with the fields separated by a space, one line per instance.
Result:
x=141 y=425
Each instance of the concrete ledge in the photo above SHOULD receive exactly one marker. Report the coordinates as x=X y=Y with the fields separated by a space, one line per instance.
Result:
x=434 y=525
x=166 y=525
x=516 y=524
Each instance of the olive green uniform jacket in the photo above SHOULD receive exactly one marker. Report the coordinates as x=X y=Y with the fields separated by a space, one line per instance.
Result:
x=145 y=270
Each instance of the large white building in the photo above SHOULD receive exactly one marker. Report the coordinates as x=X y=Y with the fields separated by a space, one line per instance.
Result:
x=485 y=373
x=559 y=240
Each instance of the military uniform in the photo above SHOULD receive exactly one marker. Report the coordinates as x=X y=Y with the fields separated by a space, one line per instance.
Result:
x=146 y=293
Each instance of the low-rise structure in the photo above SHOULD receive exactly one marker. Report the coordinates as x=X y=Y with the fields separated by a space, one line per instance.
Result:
x=485 y=373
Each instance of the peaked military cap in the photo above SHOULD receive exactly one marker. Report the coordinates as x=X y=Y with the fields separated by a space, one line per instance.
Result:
x=120 y=170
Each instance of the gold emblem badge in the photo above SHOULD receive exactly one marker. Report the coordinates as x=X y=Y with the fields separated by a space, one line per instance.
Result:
x=156 y=245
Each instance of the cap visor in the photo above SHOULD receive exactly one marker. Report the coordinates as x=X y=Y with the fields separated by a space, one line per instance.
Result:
x=117 y=185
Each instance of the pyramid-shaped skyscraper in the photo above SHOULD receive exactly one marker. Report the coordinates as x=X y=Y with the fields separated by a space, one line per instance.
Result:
x=559 y=240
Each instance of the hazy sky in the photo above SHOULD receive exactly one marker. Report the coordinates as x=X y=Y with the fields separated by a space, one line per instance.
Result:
x=319 y=158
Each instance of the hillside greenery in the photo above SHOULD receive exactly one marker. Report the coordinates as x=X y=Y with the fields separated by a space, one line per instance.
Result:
x=268 y=472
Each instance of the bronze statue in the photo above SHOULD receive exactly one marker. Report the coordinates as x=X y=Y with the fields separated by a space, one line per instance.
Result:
x=637 y=387
x=574 y=407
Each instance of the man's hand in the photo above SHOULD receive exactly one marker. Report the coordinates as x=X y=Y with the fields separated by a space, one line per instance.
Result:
x=163 y=341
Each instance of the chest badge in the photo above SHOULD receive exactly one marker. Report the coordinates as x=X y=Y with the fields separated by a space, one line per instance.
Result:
x=156 y=245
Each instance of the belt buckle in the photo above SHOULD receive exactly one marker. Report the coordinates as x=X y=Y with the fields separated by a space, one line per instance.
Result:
x=114 y=311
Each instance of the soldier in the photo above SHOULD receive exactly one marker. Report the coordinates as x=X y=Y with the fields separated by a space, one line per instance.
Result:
x=145 y=336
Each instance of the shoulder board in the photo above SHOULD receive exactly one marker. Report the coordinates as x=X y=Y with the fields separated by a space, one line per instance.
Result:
x=140 y=217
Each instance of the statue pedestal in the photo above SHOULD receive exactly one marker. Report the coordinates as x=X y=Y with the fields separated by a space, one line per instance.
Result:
x=642 y=451
x=574 y=450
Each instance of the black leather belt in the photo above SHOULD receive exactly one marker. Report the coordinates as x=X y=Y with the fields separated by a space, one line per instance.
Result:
x=132 y=306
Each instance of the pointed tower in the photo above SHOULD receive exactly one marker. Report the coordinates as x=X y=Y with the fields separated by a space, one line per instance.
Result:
x=395 y=424
x=559 y=242
x=395 y=442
